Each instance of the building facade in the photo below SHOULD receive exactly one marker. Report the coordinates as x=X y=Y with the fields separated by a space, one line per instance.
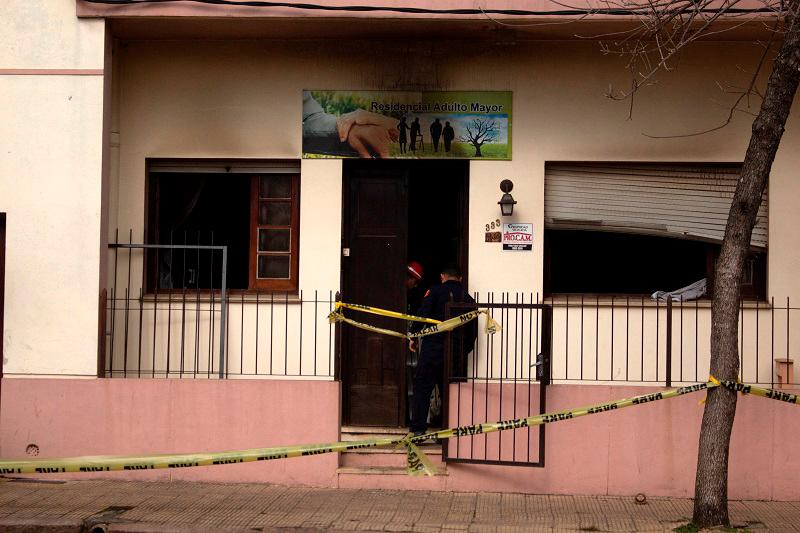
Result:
x=155 y=151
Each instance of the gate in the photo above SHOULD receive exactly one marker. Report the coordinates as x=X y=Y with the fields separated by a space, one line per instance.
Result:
x=169 y=312
x=505 y=376
x=176 y=286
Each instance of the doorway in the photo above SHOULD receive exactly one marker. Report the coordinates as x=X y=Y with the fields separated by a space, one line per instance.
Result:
x=394 y=212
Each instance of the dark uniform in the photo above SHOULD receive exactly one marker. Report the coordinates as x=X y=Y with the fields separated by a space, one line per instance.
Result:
x=414 y=297
x=430 y=365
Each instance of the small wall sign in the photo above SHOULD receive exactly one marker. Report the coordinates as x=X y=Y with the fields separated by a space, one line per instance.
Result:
x=518 y=236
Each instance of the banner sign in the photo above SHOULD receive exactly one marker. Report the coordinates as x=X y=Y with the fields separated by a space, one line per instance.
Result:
x=394 y=124
x=517 y=236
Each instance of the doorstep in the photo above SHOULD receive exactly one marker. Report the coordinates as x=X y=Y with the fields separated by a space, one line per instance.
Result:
x=385 y=467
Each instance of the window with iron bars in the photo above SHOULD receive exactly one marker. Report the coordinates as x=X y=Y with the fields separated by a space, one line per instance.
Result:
x=253 y=208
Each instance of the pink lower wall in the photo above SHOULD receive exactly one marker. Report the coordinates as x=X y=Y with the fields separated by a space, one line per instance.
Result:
x=70 y=417
x=651 y=448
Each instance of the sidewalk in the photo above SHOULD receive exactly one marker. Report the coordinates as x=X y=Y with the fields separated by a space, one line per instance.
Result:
x=49 y=505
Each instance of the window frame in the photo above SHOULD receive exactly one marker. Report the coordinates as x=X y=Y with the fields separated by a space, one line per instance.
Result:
x=285 y=285
x=755 y=289
x=254 y=169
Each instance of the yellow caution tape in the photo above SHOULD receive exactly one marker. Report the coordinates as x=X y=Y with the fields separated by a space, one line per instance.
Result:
x=764 y=392
x=336 y=316
x=440 y=327
x=148 y=462
x=384 y=312
x=417 y=462
x=559 y=416
x=713 y=380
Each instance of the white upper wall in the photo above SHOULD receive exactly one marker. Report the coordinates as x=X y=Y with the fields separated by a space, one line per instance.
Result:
x=47 y=34
x=50 y=185
x=243 y=100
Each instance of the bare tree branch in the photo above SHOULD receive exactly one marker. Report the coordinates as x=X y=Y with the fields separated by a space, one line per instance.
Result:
x=751 y=88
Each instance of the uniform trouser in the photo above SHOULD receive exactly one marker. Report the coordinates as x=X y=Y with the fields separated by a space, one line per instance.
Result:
x=430 y=366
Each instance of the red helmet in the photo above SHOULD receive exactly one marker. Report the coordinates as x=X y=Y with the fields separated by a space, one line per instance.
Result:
x=415 y=269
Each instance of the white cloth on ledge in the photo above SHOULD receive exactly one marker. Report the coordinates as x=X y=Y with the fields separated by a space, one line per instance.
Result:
x=690 y=292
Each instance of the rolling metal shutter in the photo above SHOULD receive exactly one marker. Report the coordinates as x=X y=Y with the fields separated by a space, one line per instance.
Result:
x=665 y=200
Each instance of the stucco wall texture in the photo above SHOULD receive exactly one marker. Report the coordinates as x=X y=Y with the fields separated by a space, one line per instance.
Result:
x=72 y=417
x=51 y=82
x=243 y=100
x=650 y=448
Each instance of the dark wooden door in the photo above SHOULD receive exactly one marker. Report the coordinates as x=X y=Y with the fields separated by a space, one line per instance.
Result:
x=376 y=226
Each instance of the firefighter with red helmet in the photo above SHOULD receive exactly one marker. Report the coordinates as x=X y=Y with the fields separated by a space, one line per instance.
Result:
x=414 y=292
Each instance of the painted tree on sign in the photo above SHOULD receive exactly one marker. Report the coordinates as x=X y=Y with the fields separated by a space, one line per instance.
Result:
x=480 y=130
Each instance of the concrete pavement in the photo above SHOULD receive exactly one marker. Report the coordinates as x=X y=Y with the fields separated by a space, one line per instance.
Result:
x=95 y=506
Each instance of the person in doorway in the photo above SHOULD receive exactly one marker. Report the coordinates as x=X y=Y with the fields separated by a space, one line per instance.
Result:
x=414 y=292
x=436 y=132
x=430 y=366
x=448 y=134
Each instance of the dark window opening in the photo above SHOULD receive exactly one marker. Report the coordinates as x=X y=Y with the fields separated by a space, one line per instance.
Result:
x=255 y=216
x=201 y=209
x=593 y=262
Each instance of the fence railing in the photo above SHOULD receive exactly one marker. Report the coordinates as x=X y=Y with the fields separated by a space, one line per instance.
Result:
x=168 y=313
x=170 y=329
x=579 y=340
x=635 y=339
x=499 y=377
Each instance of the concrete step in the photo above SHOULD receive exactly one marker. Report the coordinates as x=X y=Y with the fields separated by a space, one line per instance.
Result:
x=389 y=478
x=388 y=457
x=350 y=433
x=384 y=460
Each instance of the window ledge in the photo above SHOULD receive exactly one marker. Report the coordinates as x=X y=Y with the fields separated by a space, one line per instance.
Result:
x=637 y=301
x=232 y=296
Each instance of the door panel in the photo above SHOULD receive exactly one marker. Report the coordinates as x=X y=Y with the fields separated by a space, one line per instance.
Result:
x=376 y=219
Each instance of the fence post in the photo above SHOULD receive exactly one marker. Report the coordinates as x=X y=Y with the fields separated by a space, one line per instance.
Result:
x=547 y=346
x=101 y=334
x=223 y=312
x=669 y=341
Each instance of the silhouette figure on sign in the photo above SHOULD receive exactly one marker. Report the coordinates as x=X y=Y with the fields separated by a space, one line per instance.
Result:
x=448 y=134
x=403 y=127
x=414 y=134
x=436 y=132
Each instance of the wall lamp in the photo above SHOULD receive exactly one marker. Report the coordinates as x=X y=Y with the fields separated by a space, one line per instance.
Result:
x=507 y=201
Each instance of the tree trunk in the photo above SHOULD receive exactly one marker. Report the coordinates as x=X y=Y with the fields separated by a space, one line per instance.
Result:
x=711 y=484
x=478 y=150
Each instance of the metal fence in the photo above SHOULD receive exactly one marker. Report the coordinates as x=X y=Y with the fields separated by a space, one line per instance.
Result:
x=602 y=340
x=187 y=324
x=168 y=313
x=503 y=377
x=635 y=339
